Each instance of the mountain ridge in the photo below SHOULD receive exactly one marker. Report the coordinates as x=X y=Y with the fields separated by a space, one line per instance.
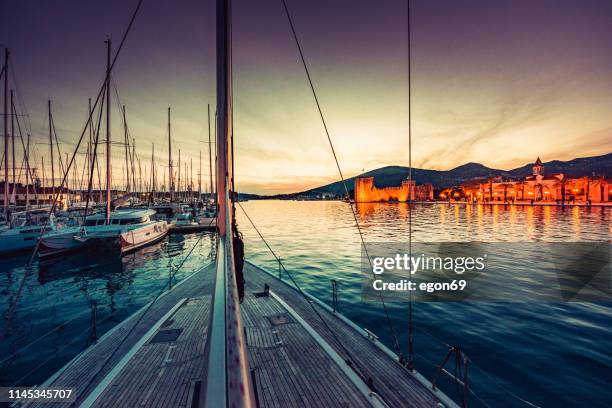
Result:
x=392 y=175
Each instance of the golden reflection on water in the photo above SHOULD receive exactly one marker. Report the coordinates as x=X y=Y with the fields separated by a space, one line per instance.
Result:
x=316 y=222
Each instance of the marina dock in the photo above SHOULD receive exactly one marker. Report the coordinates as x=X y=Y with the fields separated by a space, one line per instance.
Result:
x=157 y=357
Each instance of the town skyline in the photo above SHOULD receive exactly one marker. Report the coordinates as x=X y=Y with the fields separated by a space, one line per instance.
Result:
x=546 y=92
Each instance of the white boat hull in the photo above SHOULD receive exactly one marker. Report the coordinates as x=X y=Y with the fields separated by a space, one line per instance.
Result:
x=128 y=238
x=143 y=236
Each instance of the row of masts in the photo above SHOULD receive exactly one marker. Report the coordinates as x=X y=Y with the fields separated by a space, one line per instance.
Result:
x=179 y=185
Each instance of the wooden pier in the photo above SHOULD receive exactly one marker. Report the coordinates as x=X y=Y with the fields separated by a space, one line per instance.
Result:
x=157 y=357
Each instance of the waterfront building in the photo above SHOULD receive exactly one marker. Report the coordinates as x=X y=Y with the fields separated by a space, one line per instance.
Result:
x=367 y=192
x=537 y=187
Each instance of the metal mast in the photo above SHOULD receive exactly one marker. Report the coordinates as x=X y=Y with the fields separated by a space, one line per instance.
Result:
x=127 y=165
x=210 y=154
x=170 y=184
x=108 y=133
x=51 y=150
x=14 y=189
x=227 y=365
x=6 y=139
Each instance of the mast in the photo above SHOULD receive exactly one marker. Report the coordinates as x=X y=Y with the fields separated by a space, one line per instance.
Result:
x=13 y=192
x=89 y=151
x=127 y=165
x=190 y=176
x=44 y=180
x=170 y=184
x=134 y=186
x=210 y=163
x=227 y=365
x=108 y=133
x=200 y=177
x=27 y=175
x=152 y=171
x=51 y=150
x=178 y=183
x=74 y=178
x=6 y=140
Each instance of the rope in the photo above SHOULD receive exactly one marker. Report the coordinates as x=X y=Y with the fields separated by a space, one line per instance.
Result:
x=349 y=358
x=314 y=93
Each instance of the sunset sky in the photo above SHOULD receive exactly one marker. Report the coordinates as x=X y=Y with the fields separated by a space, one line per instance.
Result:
x=495 y=82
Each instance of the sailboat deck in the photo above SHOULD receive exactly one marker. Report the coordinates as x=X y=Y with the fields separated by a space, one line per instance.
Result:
x=293 y=358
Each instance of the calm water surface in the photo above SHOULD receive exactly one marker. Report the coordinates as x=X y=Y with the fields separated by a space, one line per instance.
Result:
x=553 y=354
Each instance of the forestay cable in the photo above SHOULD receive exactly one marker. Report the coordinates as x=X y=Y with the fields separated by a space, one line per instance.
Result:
x=314 y=94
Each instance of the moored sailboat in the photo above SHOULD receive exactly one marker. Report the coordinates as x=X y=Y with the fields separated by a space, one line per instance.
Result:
x=127 y=231
x=24 y=230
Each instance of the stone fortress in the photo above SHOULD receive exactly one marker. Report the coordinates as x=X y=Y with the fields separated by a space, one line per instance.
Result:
x=367 y=192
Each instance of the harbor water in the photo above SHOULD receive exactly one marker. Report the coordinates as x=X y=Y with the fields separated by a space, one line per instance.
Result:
x=552 y=354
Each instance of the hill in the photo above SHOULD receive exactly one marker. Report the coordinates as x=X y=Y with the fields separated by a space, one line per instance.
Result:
x=393 y=175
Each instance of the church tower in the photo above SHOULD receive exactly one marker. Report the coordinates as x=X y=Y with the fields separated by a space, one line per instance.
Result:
x=538 y=168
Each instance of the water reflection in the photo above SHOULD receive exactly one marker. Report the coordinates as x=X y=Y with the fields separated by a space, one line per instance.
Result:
x=521 y=346
x=61 y=291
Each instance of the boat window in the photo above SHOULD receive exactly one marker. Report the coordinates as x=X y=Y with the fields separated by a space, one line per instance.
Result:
x=90 y=223
x=115 y=221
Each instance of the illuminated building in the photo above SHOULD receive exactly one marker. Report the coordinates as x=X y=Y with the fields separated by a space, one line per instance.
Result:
x=537 y=187
x=367 y=192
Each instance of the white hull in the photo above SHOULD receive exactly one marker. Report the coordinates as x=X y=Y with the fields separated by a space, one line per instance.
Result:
x=210 y=222
x=143 y=236
x=18 y=239
x=124 y=237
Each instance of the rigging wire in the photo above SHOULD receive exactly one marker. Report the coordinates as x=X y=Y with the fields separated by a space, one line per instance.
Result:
x=94 y=157
x=314 y=93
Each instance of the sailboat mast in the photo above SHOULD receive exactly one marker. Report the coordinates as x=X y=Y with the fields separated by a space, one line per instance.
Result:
x=179 y=177
x=44 y=178
x=134 y=186
x=127 y=165
x=51 y=148
x=200 y=177
x=27 y=175
x=108 y=133
x=152 y=171
x=6 y=172
x=14 y=191
x=89 y=167
x=228 y=365
x=210 y=164
x=170 y=185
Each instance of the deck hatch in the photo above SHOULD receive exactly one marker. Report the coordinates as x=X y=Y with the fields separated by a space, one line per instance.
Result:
x=165 y=336
x=281 y=318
